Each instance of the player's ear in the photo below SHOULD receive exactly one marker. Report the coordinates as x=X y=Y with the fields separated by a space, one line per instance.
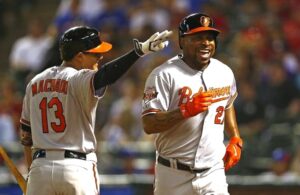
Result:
x=79 y=58
x=216 y=43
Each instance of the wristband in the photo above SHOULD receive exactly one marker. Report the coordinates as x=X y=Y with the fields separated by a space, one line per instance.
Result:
x=237 y=141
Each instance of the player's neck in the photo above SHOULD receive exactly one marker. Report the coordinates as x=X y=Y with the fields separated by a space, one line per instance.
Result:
x=194 y=64
x=68 y=64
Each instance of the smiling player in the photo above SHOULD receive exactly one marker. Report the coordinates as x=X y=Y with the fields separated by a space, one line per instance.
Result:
x=188 y=102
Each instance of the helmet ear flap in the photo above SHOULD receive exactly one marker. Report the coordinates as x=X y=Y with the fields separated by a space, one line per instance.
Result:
x=179 y=39
x=183 y=27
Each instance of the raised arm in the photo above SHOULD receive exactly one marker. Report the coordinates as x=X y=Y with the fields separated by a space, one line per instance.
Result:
x=112 y=71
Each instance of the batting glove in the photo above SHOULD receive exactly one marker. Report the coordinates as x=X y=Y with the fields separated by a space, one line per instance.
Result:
x=233 y=152
x=156 y=42
x=198 y=104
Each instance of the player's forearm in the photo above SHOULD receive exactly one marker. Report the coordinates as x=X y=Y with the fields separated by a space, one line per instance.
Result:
x=26 y=141
x=161 y=121
x=28 y=156
x=112 y=71
x=231 y=127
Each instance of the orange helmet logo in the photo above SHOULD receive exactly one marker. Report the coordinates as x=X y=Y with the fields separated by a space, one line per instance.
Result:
x=205 y=21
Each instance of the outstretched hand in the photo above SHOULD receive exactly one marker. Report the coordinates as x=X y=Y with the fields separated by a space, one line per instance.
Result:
x=156 y=42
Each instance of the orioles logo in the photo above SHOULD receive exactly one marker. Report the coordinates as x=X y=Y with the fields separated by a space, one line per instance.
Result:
x=150 y=93
x=205 y=21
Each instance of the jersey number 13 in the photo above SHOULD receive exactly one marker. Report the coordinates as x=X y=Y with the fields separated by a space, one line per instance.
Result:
x=55 y=105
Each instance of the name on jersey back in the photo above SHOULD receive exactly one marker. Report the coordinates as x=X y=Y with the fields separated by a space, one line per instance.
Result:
x=50 y=85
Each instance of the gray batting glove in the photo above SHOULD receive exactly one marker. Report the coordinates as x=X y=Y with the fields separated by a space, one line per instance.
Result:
x=156 y=42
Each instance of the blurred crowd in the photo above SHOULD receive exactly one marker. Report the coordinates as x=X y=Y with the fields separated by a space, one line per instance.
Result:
x=260 y=41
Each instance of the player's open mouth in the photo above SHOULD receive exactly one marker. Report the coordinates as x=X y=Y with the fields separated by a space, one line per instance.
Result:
x=204 y=53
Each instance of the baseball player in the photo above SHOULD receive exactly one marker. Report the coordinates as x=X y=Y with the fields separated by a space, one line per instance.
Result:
x=59 y=110
x=188 y=102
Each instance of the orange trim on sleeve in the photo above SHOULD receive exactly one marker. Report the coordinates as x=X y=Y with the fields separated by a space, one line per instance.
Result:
x=150 y=111
x=230 y=102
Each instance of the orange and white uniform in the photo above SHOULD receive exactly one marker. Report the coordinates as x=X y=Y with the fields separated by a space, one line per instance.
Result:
x=197 y=141
x=63 y=121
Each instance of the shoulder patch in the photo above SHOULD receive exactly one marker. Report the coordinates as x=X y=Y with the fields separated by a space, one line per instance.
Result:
x=150 y=93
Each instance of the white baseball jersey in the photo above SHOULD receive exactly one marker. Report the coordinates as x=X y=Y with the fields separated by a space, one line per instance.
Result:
x=60 y=107
x=196 y=141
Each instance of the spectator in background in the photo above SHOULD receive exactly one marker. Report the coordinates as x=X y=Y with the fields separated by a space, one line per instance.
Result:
x=113 y=15
x=28 y=52
x=279 y=171
x=7 y=132
x=124 y=123
x=113 y=21
x=11 y=100
x=148 y=13
x=177 y=9
x=69 y=17
x=123 y=128
x=293 y=112
x=10 y=109
x=89 y=8
x=13 y=13
x=250 y=110
x=291 y=28
x=277 y=91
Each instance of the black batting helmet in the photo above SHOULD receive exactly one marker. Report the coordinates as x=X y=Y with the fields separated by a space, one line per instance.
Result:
x=81 y=38
x=197 y=22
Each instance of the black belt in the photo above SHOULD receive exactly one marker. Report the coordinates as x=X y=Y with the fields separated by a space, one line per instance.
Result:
x=68 y=154
x=179 y=165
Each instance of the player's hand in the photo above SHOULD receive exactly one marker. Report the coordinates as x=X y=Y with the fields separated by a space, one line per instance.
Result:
x=233 y=152
x=156 y=42
x=199 y=103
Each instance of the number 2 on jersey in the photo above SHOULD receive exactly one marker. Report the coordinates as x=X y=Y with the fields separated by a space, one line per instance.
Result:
x=220 y=111
x=44 y=106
